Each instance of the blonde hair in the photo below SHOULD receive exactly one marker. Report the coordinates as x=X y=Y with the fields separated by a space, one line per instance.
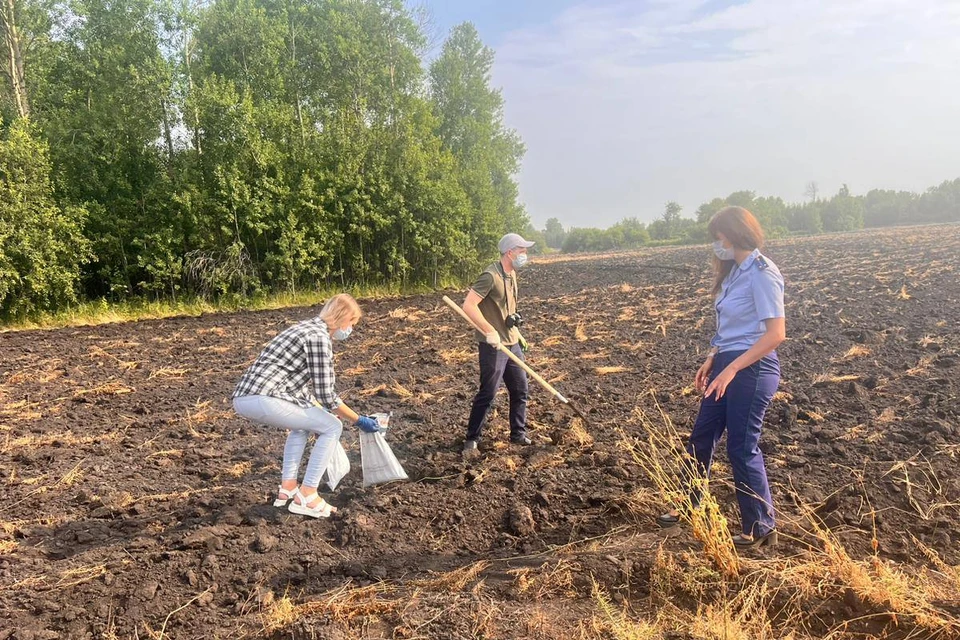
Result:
x=340 y=311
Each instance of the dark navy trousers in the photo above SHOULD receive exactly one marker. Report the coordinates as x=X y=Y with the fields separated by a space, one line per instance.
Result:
x=740 y=411
x=494 y=367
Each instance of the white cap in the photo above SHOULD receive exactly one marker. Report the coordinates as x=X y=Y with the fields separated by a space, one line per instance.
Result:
x=512 y=241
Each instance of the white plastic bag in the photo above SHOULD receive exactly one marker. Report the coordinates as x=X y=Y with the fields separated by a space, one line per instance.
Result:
x=383 y=420
x=339 y=466
x=379 y=463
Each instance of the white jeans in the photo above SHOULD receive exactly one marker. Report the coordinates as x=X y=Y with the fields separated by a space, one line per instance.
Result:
x=300 y=422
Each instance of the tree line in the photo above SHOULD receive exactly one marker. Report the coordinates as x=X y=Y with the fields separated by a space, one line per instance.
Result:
x=174 y=148
x=842 y=212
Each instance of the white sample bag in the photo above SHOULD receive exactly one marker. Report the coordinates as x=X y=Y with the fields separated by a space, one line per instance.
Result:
x=339 y=466
x=383 y=420
x=379 y=463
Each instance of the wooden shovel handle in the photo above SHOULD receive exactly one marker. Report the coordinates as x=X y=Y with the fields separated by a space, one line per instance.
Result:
x=510 y=354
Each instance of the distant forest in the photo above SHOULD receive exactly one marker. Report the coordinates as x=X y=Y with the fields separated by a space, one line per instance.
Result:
x=841 y=212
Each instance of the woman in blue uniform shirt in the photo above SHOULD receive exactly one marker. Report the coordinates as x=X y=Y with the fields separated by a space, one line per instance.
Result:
x=741 y=372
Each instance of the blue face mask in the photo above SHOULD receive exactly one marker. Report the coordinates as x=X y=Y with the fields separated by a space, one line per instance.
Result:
x=722 y=252
x=342 y=334
x=520 y=261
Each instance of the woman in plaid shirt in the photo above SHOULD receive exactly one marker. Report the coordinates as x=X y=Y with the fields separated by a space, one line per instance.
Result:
x=283 y=388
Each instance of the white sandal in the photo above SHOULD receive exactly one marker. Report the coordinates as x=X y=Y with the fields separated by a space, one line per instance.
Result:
x=322 y=510
x=287 y=496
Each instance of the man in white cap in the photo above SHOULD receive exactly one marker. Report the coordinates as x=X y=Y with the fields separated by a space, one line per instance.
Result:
x=492 y=305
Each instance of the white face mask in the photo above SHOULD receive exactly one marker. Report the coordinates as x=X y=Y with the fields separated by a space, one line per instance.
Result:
x=722 y=252
x=520 y=261
x=342 y=334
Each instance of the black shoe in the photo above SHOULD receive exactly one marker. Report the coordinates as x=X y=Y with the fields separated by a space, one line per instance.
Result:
x=522 y=441
x=469 y=447
x=668 y=520
x=769 y=539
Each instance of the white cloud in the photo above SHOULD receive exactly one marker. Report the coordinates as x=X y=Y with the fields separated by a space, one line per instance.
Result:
x=626 y=105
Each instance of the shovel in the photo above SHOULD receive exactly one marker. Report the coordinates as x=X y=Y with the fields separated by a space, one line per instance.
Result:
x=523 y=365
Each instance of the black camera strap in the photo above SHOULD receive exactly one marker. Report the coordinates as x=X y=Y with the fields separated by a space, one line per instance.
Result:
x=516 y=290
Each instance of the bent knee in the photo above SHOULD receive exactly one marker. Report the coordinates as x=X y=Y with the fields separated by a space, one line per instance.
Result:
x=246 y=407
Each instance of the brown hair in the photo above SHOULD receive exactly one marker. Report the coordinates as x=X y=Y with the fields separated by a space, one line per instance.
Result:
x=741 y=229
x=341 y=310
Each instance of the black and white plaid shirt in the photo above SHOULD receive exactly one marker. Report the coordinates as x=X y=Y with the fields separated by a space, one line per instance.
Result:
x=296 y=366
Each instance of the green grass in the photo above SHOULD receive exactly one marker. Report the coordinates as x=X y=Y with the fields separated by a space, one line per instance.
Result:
x=103 y=312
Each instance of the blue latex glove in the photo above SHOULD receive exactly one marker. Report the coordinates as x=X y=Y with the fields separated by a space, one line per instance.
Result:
x=367 y=424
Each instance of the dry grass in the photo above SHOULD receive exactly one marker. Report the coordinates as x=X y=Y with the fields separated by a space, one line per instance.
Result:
x=370 y=391
x=824 y=571
x=350 y=604
x=579 y=435
x=616 y=623
x=901 y=594
x=605 y=371
x=213 y=349
x=124 y=365
x=73 y=476
x=407 y=314
x=401 y=391
x=457 y=355
x=42 y=373
x=886 y=416
x=925 y=492
x=340 y=606
x=832 y=379
x=167 y=453
x=167 y=372
x=420 y=399
x=856 y=351
x=673 y=473
x=356 y=371
x=64 y=580
x=547 y=581
x=921 y=367
x=455 y=580
x=594 y=355
x=580 y=333
x=926 y=341
x=689 y=596
x=112 y=388
x=239 y=470
x=61 y=438
x=203 y=414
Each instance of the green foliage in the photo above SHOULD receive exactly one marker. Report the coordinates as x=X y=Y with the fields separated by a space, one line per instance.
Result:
x=629 y=233
x=843 y=212
x=805 y=218
x=470 y=124
x=238 y=147
x=554 y=234
x=41 y=246
x=671 y=226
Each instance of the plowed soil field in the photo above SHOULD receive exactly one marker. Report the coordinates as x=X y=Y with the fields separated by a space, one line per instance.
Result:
x=135 y=504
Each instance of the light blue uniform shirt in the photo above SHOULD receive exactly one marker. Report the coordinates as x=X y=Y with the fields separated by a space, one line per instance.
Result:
x=750 y=294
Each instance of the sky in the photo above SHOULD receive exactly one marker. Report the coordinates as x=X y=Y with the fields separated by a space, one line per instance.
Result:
x=624 y=106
